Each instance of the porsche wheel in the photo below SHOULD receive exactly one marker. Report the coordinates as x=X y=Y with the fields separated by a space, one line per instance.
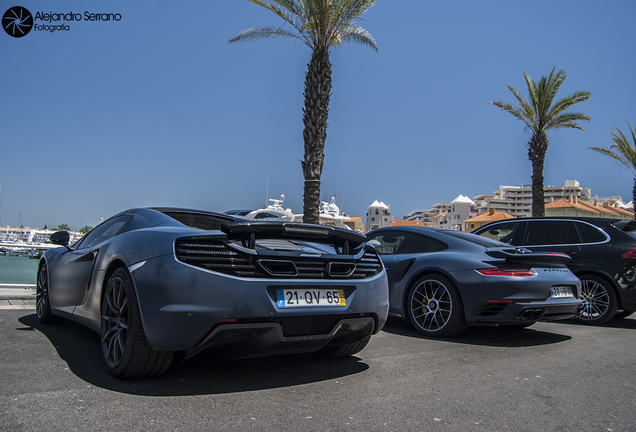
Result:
x=434 y=307
x=42 y=303
x=599 y=301
x=124 y=345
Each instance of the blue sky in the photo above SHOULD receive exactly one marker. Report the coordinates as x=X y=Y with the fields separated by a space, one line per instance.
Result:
x=158 y=109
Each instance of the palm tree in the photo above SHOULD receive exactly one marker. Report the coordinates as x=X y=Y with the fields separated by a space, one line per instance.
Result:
x=322 y=25
x=625 y=153
x=540 y=115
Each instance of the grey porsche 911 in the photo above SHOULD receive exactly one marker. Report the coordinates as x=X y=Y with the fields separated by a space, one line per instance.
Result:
x=442 y=280
x=156 y=283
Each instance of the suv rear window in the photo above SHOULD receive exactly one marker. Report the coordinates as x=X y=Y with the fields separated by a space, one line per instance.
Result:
x=589 y=233
x=549 y=232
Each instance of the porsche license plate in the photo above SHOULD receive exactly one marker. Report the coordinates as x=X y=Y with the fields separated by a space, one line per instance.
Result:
x=292 y=298
x=561 y=291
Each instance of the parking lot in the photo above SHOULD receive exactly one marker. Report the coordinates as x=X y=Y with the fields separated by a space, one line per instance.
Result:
x=551 y=376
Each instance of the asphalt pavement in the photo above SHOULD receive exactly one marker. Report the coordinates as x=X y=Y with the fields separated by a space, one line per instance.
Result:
x=549 y=377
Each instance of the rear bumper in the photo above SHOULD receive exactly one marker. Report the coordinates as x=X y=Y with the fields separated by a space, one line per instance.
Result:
x=256 y=339
x=528 y=312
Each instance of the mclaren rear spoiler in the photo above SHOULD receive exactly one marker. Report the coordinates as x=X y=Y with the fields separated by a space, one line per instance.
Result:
x=251 y=231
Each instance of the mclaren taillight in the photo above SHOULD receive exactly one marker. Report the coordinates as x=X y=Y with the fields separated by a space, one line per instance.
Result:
x=631 y=254
x=507 y=271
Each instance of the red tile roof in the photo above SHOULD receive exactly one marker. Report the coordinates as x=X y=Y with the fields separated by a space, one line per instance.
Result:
x=400 y=222
x=499 y=215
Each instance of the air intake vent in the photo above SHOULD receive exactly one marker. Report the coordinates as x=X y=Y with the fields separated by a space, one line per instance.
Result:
x=216 y=256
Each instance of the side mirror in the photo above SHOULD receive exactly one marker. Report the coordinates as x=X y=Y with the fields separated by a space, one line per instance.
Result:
x=61 y=238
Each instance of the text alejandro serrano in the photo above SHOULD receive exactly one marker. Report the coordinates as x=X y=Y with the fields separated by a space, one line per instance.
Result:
x=71 y=16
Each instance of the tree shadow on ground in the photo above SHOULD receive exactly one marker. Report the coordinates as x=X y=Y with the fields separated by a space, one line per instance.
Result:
x=495 y=336
x=80 y=348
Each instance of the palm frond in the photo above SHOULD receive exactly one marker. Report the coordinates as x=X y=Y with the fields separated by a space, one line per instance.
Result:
x=360 y=35
x=533 y=92
x=567 y=120
x=512 y=110
x=265 y=32
x=281 y=8
x=614 y=155
x=624 y=147
x=321 y=24
x=565 y=103
x=622 y=150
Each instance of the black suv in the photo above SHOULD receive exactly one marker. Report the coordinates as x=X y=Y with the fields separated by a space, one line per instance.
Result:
x=603 y=252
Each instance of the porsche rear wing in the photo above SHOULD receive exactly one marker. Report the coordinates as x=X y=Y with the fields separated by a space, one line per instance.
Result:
x=526 y=257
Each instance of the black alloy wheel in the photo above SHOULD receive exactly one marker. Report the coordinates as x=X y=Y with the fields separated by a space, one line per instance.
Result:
x=42 y=302
x=124 y=345
x=434 y=307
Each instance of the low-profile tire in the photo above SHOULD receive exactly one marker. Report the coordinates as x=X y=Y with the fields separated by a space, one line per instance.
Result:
x=42 y=302
x=434 y=307
x=124 y=345
x=344 y=350
x=623 y=314
x=600 y=301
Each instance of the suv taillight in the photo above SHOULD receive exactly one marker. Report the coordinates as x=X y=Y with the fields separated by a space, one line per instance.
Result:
x=631 y=254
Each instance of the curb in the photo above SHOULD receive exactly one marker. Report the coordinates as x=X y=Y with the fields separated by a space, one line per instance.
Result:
x=17 y=294
x=17 y=304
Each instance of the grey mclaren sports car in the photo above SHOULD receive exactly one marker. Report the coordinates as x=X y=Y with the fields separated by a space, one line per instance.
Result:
x=162 y=282
x=442 y=280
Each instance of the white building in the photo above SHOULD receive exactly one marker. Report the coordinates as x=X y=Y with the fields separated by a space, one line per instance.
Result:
x=460 y=209
x=378 y=215
x=429 y=216
x=517 y=200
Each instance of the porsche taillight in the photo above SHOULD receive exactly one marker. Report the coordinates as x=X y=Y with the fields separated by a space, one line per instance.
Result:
x=507 y=271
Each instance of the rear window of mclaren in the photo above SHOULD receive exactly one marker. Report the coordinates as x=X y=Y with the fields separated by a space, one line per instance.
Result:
x=202 y=221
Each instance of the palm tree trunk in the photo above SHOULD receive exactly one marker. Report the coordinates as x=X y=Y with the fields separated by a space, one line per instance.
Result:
x=634 y=197
x=315 y=112
x=537 y=148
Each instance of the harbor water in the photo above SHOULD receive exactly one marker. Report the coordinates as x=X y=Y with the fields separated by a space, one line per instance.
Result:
x=18 y=270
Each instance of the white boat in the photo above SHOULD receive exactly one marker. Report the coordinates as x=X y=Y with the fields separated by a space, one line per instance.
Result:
x=329 y=213
x=273 y=211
